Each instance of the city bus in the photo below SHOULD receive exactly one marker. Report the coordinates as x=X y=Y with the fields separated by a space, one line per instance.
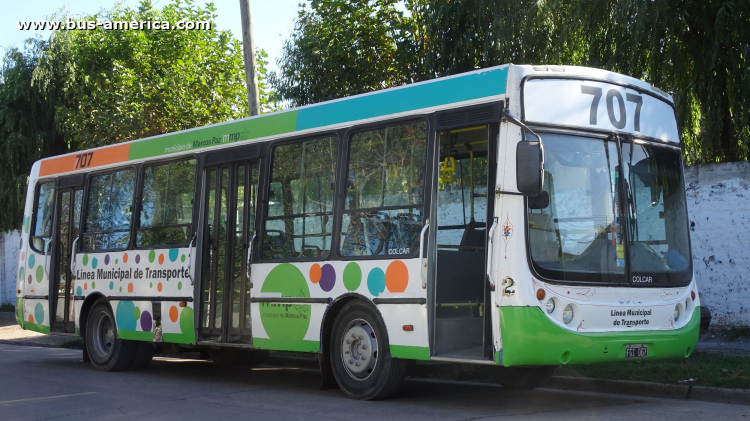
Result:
x=516 y=218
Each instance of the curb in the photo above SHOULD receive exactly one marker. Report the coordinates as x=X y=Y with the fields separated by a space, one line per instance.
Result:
x=648 y=389
x=30 y=343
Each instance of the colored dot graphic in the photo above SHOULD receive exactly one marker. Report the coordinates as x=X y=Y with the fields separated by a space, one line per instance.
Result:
x=39 y=273
x=32 y=257
x=79 y=290
x=138 y=258
x=159 y=287
x=130 y=287
x=352 y=276
x=376 y=281
x=106 y=259
x=173 y=253
x=85 y=259
x=327 y=278
x=151 y=256
x=111 y=285
x=39 y=313
x=173 y=313
x=182 y=258
x=94 y=263
x=161 y=259
x=315 y=273
x=396 y=276
x=179 y=285
x=125 y=258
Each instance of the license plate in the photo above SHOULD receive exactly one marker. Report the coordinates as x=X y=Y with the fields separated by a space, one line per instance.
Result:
x=636 y=351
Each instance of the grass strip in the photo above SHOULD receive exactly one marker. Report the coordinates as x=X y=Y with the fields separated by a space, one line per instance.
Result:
x=705 y=369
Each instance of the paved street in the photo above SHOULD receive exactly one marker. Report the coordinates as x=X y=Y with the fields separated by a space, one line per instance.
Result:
x=46 y=383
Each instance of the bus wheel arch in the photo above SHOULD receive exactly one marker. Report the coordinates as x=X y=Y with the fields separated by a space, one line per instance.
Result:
x=84 y=313
x=359 y=353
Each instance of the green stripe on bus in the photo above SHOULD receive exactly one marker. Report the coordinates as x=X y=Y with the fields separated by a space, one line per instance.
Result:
x=254 y=128
x=133 y=335
x=530 y=338
x=36 y=327
x=440 y=92
x=286 y=345
x=180 y=338
x=410 y=352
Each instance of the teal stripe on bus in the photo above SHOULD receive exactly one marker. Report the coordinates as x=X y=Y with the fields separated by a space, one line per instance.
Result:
x=440 y=92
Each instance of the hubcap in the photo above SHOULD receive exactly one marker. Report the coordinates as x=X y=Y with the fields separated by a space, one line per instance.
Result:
x=104 y=334
x=359 y=349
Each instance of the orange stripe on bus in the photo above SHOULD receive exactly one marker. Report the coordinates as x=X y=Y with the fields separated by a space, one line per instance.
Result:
x=85 y=160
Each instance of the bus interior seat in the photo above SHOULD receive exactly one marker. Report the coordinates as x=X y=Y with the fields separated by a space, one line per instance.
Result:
x=474 y=235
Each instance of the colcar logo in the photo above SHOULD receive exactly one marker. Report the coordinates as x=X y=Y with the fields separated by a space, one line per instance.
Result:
x=399 y=250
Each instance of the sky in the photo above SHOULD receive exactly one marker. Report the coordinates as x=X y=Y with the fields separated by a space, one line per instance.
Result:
x=273 y=20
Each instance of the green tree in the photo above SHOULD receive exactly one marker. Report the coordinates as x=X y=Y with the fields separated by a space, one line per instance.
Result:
x=88 y=88
x=345 y=47
x=27 y=129
x=698 y=50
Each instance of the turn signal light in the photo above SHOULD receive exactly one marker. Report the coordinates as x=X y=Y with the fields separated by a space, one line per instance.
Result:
x=18 y=291
x=183 y=304
x=408 y=328
x=540 y=294
x=692 y=295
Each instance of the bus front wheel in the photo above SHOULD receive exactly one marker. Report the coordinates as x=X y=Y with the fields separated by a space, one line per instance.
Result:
x=360 y=354
x=522 y=377
x=106 y=351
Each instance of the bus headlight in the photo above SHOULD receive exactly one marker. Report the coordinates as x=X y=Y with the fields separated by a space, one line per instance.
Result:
x=676 y=313
x=550 y=306
x=568 y=314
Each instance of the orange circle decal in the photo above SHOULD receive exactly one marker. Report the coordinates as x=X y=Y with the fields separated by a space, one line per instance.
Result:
x=125 y=258
x=85 y=287
x=130 y=287
x=161 y=259
x=31 y=318
x=315 y=273
x=158 y=287
x=396 y=276
x=173 y=313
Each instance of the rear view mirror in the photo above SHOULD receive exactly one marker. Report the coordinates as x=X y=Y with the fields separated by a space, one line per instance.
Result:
x=530 y=167
x=540 y=201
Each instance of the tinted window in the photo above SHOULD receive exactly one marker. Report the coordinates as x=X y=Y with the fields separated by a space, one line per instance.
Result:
x=166 y=217
x=300 y=199
x=109 y=211
x=383 y=209
x=43 y=215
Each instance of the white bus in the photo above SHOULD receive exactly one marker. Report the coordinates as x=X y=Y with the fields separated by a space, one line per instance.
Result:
x=517 y=217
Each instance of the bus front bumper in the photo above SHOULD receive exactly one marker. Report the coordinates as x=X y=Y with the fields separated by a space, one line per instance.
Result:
x=530 y=338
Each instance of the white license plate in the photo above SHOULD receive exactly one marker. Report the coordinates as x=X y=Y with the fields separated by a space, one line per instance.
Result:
x=636 y=351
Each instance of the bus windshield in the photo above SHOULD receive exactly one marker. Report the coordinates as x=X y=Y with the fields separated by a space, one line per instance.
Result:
x=593 y=224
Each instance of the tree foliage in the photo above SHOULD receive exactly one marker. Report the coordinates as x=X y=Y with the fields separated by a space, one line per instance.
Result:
x=697 y=50
x=88 y=88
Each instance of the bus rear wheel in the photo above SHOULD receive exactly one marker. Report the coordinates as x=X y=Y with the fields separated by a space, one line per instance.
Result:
x=522 y=377
x=360 y=354
x=106 y=351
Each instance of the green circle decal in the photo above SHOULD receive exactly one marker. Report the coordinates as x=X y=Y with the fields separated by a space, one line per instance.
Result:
x=137 y=313
x=85 y=259
x=186 y=320
x=352 y=276
x=39 y=274
x=285 y=324
x=151 y=256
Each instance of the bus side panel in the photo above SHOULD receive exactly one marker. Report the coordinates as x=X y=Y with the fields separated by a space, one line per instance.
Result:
x=156 y=274
x=32 y=281
x=297 y=327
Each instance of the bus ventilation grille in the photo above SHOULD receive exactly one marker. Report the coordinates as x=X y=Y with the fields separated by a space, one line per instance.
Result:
x=233 y=154
x=468 y=116
x=70 y=181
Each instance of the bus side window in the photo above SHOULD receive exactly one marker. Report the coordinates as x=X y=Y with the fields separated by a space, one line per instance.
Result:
x=383 y=209
x=43 y=212
x=300 y=199
x=109 y=210
x=166 y=215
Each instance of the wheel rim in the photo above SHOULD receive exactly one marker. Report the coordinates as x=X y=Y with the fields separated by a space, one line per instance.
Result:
x=359 y=349
x=104 y=334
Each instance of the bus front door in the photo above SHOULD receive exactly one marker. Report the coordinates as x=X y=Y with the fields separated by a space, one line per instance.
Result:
x=61 y=277
x=228 y=224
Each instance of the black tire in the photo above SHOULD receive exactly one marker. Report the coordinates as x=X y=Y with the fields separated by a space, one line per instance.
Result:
x=522 y=377
x=144 y=353
x=106 y=351
x=364 y=369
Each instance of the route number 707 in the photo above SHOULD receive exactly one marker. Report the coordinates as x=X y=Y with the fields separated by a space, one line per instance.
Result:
x=84 y=160
x=612 y=95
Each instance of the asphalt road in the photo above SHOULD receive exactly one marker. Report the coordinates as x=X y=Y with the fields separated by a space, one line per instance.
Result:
x=53 y=383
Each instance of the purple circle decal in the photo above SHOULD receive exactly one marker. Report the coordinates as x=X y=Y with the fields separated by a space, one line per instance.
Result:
x=327 y=278
x=106 y=259
x=146 y=321
x=29 y=278
x=138 y=258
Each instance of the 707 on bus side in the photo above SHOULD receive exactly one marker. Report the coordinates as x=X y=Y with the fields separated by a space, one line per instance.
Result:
x=515 y=218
